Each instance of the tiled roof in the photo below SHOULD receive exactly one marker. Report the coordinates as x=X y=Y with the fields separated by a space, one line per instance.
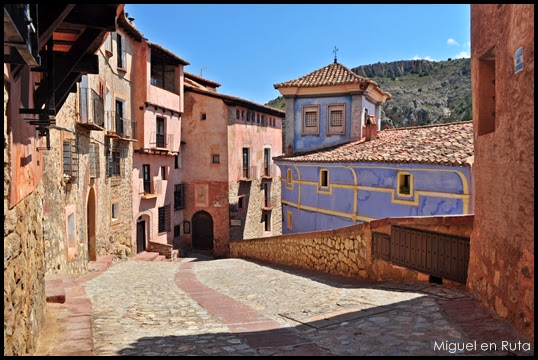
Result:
x=446 y=144
x=232 y=100
x=333 y=74
x=168 y=54
x=201 y=80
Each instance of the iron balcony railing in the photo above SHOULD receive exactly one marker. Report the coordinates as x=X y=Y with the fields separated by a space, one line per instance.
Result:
x=249 y=172
x=269 y=171
x=92 y=108
x=161 y=140
x=146 y=188
x=120 y=126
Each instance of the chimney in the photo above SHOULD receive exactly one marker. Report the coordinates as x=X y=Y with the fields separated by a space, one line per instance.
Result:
x=370 y=129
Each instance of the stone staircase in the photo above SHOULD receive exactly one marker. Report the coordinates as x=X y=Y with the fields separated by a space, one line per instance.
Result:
x=151 y=256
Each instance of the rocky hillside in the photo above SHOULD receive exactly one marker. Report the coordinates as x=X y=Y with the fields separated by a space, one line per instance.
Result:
x=423 y=92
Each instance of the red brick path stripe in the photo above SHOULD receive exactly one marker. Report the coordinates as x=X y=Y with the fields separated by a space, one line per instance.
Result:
x=256 y=329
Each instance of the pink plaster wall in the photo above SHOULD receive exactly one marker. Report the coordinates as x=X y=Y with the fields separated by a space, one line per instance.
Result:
x=146 y=116
x=26 y=163
x=256 y=137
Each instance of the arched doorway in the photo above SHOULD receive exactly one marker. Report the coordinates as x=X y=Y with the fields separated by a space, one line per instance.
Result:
x=202 y=231
x=90 y=218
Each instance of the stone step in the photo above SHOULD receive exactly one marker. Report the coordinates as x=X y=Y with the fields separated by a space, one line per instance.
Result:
x=147 y=256
x=54 y=290
x=160 y=258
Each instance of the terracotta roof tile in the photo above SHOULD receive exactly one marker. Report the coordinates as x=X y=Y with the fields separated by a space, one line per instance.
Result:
x=333 y=74
x=446 y=144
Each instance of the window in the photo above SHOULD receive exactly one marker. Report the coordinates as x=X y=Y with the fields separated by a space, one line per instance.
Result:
x=67 y=158
x=164 y=218
x=71 y=230
x=176 y=230
x=288 y=177
x=163 y=172
x=146 y=179
x=248 y=116
x=405 y=186
x=215 y=159
x=311 y=120
x=94 y=160
x=203 y=116
x=266 y=161
x=119 y=121
x=263 y=120
x=115 y=212
x=179 y=196
x=241 y=202
x=267 y=220
x=160 y=133
x=70 y=161
x=486 y=93
x=246 y=160
x=114 y=163
x=176 y=161
x=121 y=51
x=289 y=224
x=267 y=195
x=324 y=178
x=336 y=119
x=242 y=114
x=108 y=43
x=237 y=114
x=258 y=118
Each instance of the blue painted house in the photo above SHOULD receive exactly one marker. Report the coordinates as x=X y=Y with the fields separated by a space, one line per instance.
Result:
x=340 y=169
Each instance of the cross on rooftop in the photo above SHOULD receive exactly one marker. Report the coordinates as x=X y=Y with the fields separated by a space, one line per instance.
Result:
x=335 y=51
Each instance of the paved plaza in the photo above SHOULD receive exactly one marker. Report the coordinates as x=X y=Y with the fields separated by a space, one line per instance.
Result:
x=200 y=306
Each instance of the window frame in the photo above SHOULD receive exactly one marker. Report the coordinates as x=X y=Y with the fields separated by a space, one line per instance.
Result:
x=115 y=220
x=310 y=130
x=179 y=196
x=336 y=130
x=324 y=184
x=400 y=183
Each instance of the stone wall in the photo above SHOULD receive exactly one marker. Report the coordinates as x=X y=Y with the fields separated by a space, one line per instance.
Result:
x=24 y=263
x=346 y=251
x=501 y=265
x=251 y=225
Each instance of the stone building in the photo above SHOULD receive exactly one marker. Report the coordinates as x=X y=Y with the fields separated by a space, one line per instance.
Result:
x=501 y=265
x=157 y=185
x=233 y=187
x=87 y=178
x=32 y=99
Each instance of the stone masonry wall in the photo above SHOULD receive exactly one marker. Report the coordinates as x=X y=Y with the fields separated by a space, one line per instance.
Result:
x=24 y=264
x=501 y=264
x=346 y=251
x=251 y=217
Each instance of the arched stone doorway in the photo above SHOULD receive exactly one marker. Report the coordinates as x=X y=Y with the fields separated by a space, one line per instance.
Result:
x=202 y=231
x=90 y=218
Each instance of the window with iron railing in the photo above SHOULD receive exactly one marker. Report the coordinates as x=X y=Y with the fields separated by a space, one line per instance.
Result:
x=164 y=218
x=94 y=160
x=115 y=163
x=179 y=196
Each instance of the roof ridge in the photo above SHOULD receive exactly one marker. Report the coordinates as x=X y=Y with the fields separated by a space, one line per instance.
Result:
x=428 y=126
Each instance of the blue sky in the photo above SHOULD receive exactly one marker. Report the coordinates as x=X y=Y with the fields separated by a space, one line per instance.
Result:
x=247 y=48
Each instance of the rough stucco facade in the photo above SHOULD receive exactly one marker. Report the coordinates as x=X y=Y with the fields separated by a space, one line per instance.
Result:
x=240 y=205
x=96 y=189
x=501 y=268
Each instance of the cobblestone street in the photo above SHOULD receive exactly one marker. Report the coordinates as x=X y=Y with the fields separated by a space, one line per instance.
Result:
x=235 y=307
